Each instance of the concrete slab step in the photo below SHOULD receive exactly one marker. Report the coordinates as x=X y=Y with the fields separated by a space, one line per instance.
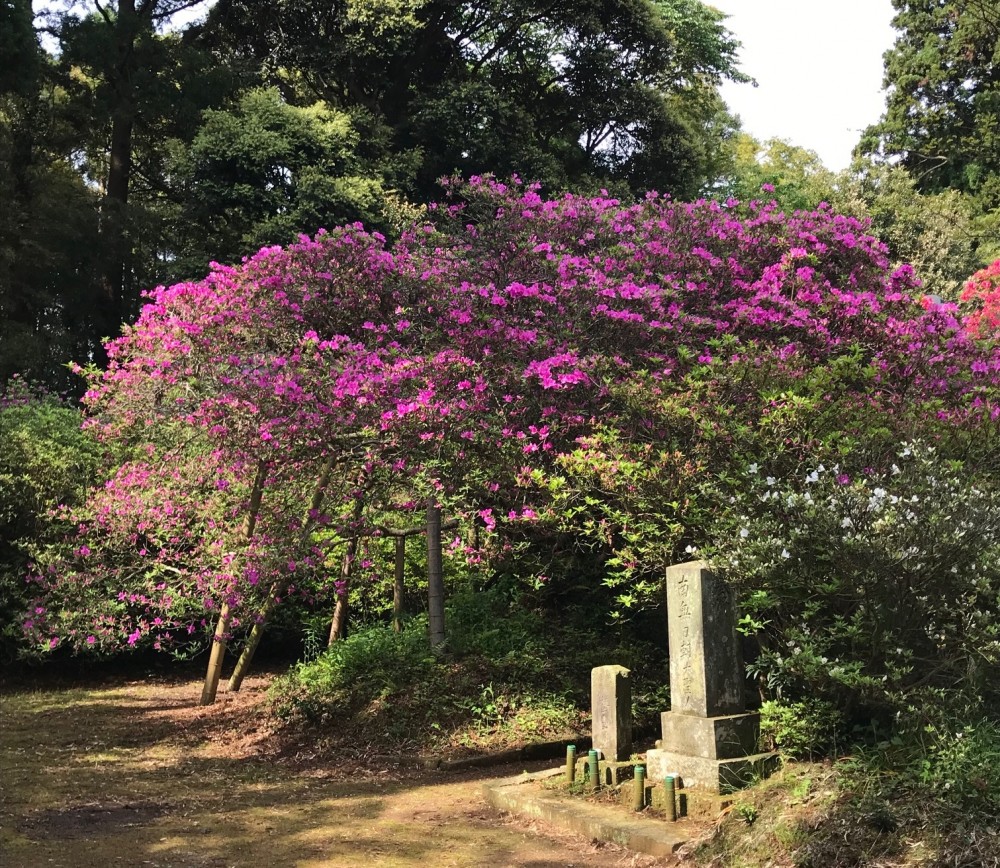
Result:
x=523 y=796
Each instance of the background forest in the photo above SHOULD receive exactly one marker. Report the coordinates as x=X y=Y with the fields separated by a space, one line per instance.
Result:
x=135 y=148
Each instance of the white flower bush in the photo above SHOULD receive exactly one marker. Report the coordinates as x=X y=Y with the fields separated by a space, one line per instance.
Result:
x=873 y=589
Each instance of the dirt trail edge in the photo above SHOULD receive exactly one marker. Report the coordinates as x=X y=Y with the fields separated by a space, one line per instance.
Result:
x=137 y=774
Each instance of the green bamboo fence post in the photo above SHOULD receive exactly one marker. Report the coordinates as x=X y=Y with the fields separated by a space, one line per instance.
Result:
x=639 y=788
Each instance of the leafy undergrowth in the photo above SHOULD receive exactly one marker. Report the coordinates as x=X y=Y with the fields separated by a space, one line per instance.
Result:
x=829 y=815
x=506 y=680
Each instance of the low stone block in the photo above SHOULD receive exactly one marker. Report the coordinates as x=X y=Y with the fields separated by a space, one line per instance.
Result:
x=697 y=804
x=729 y=737
x=612 y=774
x=718 y=776
x=611 y=708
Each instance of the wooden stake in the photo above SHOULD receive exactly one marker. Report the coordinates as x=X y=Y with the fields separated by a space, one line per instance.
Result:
x=435 y=577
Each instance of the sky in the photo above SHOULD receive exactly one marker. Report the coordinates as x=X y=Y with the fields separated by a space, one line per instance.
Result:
x=818 y=67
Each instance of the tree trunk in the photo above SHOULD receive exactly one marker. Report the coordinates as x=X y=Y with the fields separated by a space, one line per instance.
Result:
x=112 y=310
x=214 y=673
x=399 y=585
x=280 y=585
x=211 y=685
x=435 y=577
x=338 y=626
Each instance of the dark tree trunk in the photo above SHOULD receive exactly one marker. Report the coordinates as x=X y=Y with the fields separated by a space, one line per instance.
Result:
x=114 y=209
x=435 y=577
x=399 y=585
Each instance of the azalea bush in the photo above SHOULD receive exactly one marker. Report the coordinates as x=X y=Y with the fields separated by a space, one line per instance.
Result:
x=878 y=590
x=561 y=374
x=981 y=295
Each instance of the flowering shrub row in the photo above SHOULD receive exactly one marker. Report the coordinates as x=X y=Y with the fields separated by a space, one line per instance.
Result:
x=565 y=369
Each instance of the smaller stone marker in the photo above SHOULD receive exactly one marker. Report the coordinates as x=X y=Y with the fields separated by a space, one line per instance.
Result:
x=709 y=737
x=611 y=708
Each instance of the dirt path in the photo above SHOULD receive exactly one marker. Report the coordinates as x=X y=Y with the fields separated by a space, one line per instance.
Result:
x=134 y=774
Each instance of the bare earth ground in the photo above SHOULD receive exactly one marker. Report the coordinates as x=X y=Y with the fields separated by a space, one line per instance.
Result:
x=135 y=773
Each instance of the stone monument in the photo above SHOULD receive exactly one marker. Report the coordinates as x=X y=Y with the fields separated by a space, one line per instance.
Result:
x=709 y=738
x=611 y=712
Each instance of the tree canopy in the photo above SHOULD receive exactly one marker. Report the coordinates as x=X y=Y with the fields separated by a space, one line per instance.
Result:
x=942 y=115
x=163 y=147
x=552 y=370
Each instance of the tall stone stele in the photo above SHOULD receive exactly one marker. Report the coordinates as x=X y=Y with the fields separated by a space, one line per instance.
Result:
x=709 y=738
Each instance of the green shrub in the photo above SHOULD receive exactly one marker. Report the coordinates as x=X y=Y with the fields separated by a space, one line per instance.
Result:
x=800 y=730
x=960 y=764
x=874 y=590
x=46 y=461
x=368 y=665
x=505 y=679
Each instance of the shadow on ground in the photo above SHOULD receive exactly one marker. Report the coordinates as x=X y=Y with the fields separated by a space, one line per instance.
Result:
x=138 y=774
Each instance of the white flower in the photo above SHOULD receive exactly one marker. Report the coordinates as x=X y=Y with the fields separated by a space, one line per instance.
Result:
x=847 y=522
x=744 y=533
x=785 y=553
x=753 y=467
x=895 y=470
x=813 y=477
x=691 y=549
x=770 y=480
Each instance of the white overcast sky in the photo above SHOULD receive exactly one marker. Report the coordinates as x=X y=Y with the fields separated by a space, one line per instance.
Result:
x=818 y=66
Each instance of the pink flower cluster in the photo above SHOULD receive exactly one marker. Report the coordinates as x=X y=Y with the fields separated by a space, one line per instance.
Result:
x=468 y=359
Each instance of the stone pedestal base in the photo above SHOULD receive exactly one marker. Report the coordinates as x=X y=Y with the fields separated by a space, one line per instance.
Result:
x=729 y=737
x=706 y=773
x=612 y=773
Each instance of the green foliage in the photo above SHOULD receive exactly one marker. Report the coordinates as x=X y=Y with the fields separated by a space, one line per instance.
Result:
x=960 y=763
x=510 y=677
x=940 y=234
x=261 y=171
x=46 y=462
x=795 y=177
x=800 y=730
x=370 y=665
x=48 y=225
x=574 y=95
x=877 y=592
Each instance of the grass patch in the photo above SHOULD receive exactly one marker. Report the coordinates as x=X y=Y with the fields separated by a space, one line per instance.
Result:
x=854 y=813
x=507 y=678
